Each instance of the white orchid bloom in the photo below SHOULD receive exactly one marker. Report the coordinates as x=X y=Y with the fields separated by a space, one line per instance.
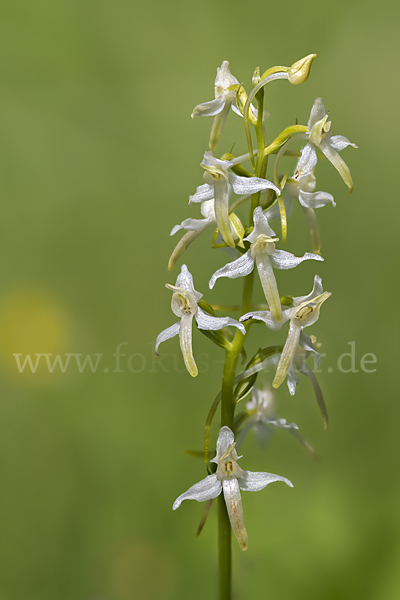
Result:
x=302 y=189
x=225 y=88
x=207 y=211
x=184 y=305
x=219 y=183
x=305 y=312
x=194 y=228
x=264 y=254
x=320 y=136
x=261 y=409
x=262 y=416
x=229 y=479
x=303 y=350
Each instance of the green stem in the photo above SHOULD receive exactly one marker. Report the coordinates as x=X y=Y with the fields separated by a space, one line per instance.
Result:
x=227 y=419
x=224 y=550
x=231 y=360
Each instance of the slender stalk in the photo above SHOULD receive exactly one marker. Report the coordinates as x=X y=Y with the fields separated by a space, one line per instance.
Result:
x=231 y=360
x=224 y=550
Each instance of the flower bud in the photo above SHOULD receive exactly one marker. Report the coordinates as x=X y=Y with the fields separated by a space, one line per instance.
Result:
x=300 y=70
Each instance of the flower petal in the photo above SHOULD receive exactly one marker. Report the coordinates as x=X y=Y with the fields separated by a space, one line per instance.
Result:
x=206 y=489
x=238 y=268
x=221 y=207
x=338 y=162
x=224 y=78
x=234 y=507
x=250 y=185
x=185 y=339
x=339 y=142
x=167 y=334
x=261 y=226
x=282 y=423
x=209 y=160
x=209 y=109
x=292 y=379
x=307 y=161
x=316 y=291
x=191 y=225
x=185 y=281
x=203 y=192
x=281 y=259
x=208 y=322
x=225 y=439
x=306 y=343
x=288 y=352
x=317 y=113
x=265 y=315
x=181 y=246
x=316 y=199
x=269 y=285
x=255 y=482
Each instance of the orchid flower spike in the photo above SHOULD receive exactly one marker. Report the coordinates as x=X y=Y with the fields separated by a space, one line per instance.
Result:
x=260 y=409
x=264 y=254
x=184 y=305
x=229 y=479
x=303 y=351
x=320 y=136
x=305 y=312
x=219 y=183
x=302 y=189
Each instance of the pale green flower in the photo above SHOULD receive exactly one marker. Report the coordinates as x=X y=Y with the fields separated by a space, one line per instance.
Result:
x=229 y=478
x=262 y=418
x=302 y=189
x=264 y=254
x=305 y=312
x=220 y=181
x=320 y=136
x=225 y=89
x=184 y=305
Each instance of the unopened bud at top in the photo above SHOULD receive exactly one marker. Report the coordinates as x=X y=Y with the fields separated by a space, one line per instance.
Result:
x=300 y=70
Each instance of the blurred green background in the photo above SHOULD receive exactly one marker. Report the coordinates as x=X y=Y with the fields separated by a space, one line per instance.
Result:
x=98 y=157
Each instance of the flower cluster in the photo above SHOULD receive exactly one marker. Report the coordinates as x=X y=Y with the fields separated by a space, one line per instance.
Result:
x=227 y=187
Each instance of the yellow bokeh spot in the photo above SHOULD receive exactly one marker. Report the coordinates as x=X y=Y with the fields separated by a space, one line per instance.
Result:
x=32 y=321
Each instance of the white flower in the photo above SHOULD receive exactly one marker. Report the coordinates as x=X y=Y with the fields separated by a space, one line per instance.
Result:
x=219 y=183
x=225 y=88
x=302 y=189
x=194 y=228
x=184 y=305
x=305 y=312
x=207 y=210
x=229 y=479
x=261 y=411
x=320 y=136
x=264 y=254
